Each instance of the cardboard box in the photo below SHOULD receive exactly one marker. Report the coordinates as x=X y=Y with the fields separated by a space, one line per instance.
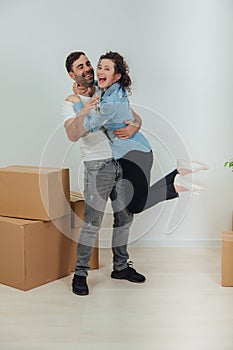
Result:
x=94 y=260
x=227 y=259
x=77 y=204
x=34 y=192
x=33 y=253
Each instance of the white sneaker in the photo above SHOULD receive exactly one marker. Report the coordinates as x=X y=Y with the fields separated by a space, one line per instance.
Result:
x=186 y=183
x=186 y=167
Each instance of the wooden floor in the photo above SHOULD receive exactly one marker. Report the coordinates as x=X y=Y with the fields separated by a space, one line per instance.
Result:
x=182 y=305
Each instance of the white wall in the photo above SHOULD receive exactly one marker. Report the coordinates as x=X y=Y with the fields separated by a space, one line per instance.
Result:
x=180 y=56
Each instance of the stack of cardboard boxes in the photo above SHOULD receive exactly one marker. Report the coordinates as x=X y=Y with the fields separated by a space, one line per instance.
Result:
x=227 y=258
x=36 y=243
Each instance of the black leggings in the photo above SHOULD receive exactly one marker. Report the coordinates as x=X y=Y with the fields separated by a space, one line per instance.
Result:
x=136 y=166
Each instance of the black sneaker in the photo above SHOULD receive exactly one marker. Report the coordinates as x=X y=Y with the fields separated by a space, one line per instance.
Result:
x=79 y=285
x=128 y=274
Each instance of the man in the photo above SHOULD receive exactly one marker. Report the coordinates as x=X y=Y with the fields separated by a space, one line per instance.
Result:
x=102 y=179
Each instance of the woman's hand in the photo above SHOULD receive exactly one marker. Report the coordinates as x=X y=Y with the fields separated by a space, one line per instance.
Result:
x=73 y=99
x=92 y=103
x=78 y=90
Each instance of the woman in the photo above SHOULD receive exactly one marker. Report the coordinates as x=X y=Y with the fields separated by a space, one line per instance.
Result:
x=134 y=154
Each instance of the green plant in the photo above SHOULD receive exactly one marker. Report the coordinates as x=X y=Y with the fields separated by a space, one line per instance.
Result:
x=229 y=164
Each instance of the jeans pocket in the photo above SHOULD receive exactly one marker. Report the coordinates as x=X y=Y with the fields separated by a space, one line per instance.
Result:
x=96 y=165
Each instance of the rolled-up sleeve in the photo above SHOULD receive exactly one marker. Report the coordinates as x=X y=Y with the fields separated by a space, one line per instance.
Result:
x=67 y=111
x=78 y=106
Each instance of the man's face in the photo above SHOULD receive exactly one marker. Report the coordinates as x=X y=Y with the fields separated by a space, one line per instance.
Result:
x=83 y=72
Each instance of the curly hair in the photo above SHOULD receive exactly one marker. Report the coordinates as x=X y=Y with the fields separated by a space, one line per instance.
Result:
x=120 y=66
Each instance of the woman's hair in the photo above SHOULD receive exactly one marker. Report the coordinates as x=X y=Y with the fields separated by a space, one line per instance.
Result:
x=120 y=66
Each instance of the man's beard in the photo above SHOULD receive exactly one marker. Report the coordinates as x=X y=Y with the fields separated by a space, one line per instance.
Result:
x=87 y=83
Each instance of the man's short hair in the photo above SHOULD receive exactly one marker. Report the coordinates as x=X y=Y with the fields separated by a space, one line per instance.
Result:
x=73 y=56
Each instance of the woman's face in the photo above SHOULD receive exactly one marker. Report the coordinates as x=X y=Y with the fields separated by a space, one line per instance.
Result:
x=106 y=74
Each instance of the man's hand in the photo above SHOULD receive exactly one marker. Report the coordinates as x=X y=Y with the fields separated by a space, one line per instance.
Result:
x=127 y=132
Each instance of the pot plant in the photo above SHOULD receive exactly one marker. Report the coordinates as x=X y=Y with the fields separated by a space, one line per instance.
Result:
x=229 y=164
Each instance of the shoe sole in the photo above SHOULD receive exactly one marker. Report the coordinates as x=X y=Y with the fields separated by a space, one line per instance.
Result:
x=81 y=293
x=127 y=279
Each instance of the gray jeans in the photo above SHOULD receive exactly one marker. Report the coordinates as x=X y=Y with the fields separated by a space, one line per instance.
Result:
x=101 y=181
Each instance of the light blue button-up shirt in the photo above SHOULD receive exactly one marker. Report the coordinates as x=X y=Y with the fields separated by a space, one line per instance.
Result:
x=114 y=108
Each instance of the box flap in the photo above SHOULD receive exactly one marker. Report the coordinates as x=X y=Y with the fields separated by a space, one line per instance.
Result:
x=15 y=221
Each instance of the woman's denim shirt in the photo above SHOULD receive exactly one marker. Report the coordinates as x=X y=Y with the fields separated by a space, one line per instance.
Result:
x=113 y=109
